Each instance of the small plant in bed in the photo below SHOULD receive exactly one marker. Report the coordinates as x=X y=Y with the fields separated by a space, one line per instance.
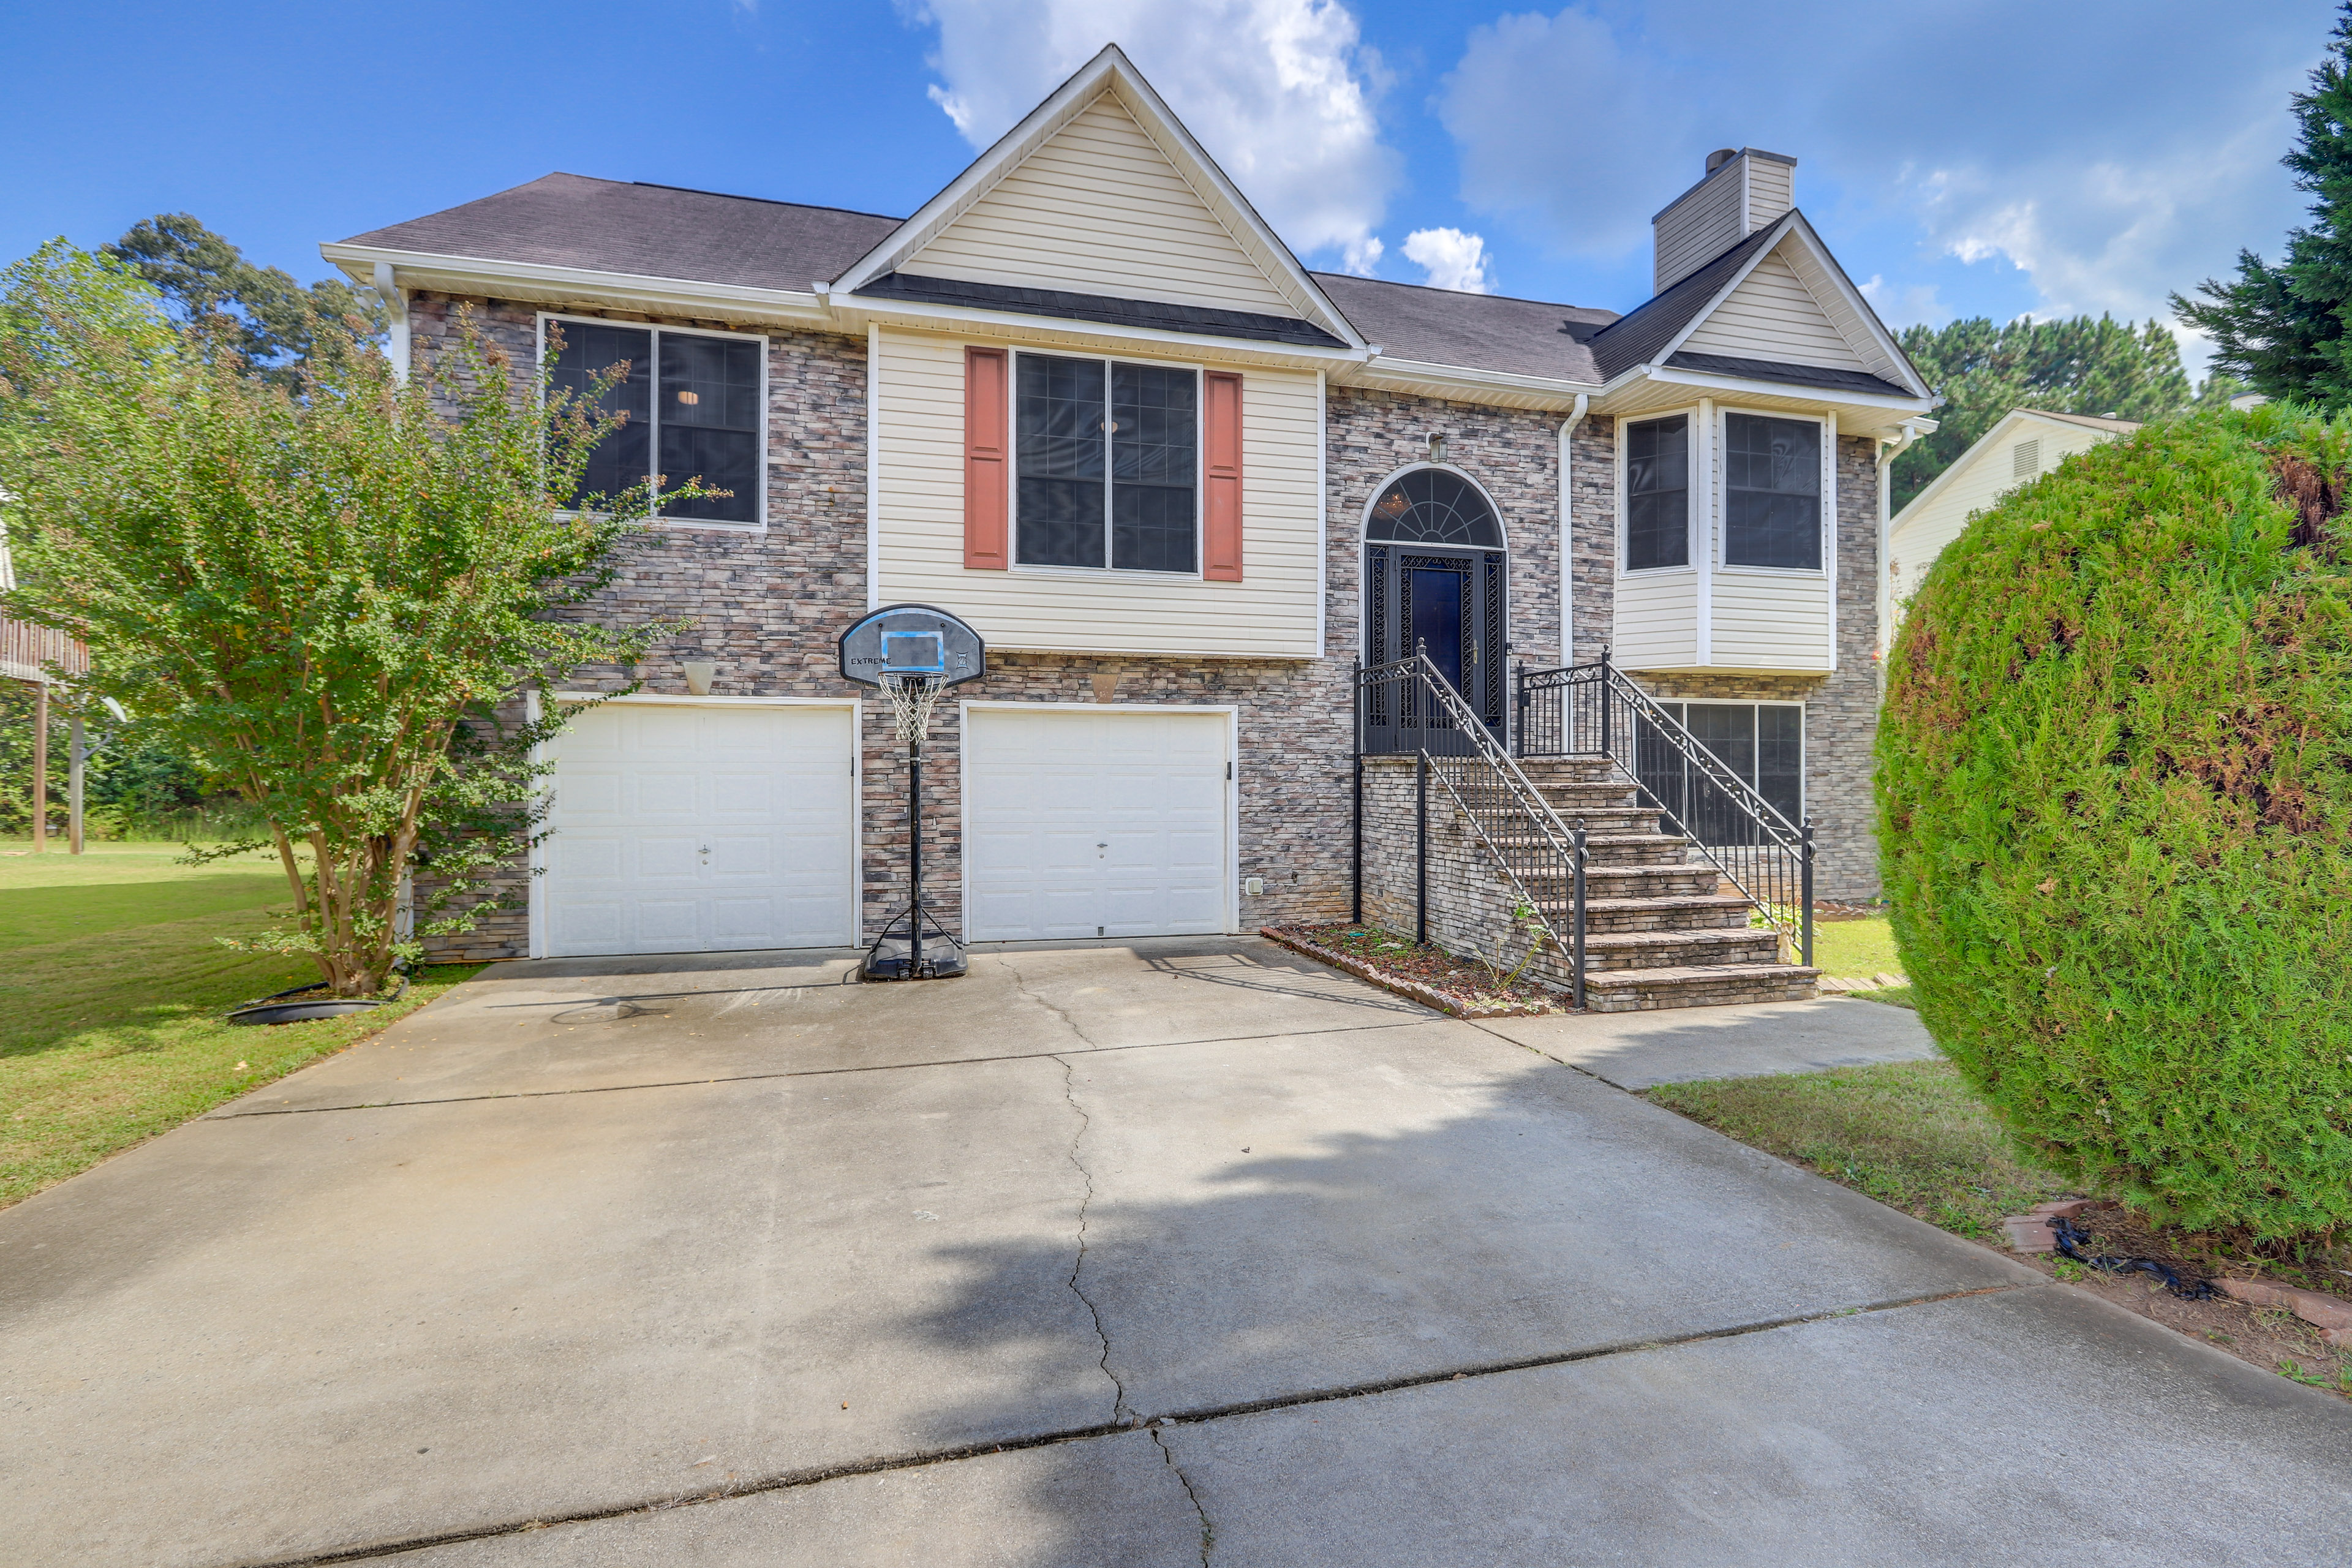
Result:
x=1472 y=986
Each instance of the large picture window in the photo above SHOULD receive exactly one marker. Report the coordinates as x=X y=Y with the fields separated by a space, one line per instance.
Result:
x=1771 y=492
x=1108 y=456
x=1761 y=744
x=693 y=405
x=1657 y=493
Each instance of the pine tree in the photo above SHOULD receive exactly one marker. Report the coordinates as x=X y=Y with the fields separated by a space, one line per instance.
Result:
x=274 y=322
x=2083 y=365
x=2282 y=328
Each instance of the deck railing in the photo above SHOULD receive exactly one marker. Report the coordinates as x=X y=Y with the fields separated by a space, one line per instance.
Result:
x=26 y=651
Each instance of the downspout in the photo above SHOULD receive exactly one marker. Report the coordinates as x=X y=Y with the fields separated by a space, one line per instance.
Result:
x=395 y=316
x=1567 y=534
x=1885 y=528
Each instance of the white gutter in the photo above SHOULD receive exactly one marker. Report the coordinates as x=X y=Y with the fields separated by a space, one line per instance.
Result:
x=1567 y=534
x=395 y=316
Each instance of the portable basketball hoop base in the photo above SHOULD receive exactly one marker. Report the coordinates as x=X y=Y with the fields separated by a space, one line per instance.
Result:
x=913 y=653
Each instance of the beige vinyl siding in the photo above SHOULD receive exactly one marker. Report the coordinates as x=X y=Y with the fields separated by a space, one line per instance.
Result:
x=1773 y=316
x=1099 y=209
x=1700 y=227
x=1769 y=620
x=1984 y=475
x=1655 y=625
x=1771 y=192
x=1270 y=613
x=1831 y=295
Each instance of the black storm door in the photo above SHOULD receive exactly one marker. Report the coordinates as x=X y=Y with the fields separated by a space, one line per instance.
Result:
x=1449 y=601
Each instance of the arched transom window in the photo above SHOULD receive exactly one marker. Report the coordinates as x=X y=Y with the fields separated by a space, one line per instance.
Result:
x=1435 y=506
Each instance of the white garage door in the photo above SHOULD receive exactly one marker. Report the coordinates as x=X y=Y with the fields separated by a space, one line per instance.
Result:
x=692 y=829
x=1094 y=824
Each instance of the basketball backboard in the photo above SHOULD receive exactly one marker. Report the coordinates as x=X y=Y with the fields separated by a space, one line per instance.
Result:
x=912 y=639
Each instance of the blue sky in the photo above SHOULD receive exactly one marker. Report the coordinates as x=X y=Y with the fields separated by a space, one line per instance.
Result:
x=1967 y=157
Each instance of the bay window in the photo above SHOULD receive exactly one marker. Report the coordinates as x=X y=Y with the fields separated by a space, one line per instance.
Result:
x=1657 y=493
x=1771 y=492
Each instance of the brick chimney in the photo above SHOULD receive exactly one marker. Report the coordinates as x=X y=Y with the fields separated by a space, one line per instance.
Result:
x=1745 y=189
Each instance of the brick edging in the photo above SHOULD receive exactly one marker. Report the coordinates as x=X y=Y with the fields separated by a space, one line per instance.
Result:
x=1411 y=990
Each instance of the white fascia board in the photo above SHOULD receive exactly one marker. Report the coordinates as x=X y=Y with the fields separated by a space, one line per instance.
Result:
x=851 y=312
x=1894 y=409
x=675 y=296
x=1109 y=71
x=1455 y=379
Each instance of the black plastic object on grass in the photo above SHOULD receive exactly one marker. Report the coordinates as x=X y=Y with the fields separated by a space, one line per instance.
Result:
x=273 y=1009
x=2070 y=1240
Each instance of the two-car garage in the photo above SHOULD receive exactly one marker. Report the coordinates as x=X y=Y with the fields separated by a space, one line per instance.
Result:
x=725 y=825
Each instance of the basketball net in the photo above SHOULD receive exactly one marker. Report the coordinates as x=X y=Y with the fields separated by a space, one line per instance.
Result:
x=912 y=698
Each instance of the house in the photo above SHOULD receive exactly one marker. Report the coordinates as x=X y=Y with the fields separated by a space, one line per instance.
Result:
x=1009 y=404
x=2026 y=443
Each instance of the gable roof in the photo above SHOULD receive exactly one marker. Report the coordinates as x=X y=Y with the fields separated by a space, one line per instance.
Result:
x=1638 y=338
x=649 y=231
x=2119 y=427
x=1111 y=74
x=1480 y=332
x=2003 y=428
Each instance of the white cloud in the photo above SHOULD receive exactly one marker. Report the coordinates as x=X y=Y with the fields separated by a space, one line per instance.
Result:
x=1279 y=92
x=1362 y=257
x=2128 y=152
x=1901 y=305
x=1451 y=258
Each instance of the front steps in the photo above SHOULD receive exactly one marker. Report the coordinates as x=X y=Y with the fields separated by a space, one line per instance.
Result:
x=1662 y=929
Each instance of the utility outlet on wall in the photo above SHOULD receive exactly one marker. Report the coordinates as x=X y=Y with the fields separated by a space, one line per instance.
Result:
x=1254 y=886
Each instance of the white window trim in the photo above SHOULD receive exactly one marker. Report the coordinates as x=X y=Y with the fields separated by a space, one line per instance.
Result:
x=1804 y=736
x=1233 y=714
x=1012 y=471
x=1828 y=521
x=535 y=942
x=1693 y=429
x=759 y=522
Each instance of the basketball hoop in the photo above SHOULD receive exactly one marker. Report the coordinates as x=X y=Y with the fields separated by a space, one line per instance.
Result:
x=913 y=652
x=913 y=694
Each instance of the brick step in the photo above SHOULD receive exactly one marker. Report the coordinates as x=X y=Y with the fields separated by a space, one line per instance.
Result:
x=1604 y=849
x=1566 y=770
x=1648 y=881
x=1597 y=819
x=1709 y=985
x=1597 y=791
x=1696 y=913
x=1679 y=949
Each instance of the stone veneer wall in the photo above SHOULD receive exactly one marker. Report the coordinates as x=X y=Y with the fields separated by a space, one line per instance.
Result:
x=1470 y=903
x=1841 y=709
x=767 y=607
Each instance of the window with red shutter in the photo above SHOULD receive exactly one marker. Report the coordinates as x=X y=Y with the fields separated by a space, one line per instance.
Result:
x=986 y=498
x=1221 y=529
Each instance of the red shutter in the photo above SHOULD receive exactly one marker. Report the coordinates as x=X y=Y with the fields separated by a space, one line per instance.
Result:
x=984 y=486
x=1221 y=532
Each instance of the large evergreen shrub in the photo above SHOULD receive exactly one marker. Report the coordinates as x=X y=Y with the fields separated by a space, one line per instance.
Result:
x=2115 y=790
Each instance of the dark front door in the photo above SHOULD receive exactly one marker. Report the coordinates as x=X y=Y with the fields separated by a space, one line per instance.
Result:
x=1447 y=601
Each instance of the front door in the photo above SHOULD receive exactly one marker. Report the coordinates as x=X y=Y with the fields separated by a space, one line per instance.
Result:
x=1447 y=601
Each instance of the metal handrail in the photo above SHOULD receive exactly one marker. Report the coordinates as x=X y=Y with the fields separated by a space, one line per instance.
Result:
x=1474 y=768
x=1602 y=713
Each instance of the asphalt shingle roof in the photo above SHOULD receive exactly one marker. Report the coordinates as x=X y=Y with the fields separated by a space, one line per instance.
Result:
x=1480 y=332
x=649 y=231
x=1636 y=339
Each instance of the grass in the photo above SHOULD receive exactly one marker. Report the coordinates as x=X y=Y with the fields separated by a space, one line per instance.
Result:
x=111 y=991
x=1861 y=950
x=1907 y=1133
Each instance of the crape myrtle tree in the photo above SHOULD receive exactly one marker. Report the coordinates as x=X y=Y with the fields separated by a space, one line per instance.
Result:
x=2282 y=328
x=2114 y=797
x=327 y=597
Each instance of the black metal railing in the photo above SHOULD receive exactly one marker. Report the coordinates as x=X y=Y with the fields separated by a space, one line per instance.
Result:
x=1593 y=710
x=1408 y=709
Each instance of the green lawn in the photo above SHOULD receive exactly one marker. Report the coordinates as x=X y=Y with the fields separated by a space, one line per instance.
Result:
x=1860 y=950
x=1907 y=1133
x=111 y=991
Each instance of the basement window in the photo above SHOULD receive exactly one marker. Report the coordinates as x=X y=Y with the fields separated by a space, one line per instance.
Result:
x=1106 y=464
x=1760 y=743
x=693 y=401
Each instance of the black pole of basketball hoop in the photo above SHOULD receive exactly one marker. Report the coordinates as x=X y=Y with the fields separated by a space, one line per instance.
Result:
x=914 y=855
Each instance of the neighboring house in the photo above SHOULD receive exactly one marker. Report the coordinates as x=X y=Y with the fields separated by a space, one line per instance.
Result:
x=2027 y=442
x=1085 y=399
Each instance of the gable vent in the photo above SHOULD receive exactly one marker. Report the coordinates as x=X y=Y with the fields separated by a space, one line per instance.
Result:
x=1745 y=189
x=2026 y=460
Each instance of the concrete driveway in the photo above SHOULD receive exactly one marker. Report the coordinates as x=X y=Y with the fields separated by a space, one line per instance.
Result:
x=1113 y=1254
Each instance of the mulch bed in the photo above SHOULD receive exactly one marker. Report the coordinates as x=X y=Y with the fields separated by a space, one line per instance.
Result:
x=1424 y=973
x=2271 y=1338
